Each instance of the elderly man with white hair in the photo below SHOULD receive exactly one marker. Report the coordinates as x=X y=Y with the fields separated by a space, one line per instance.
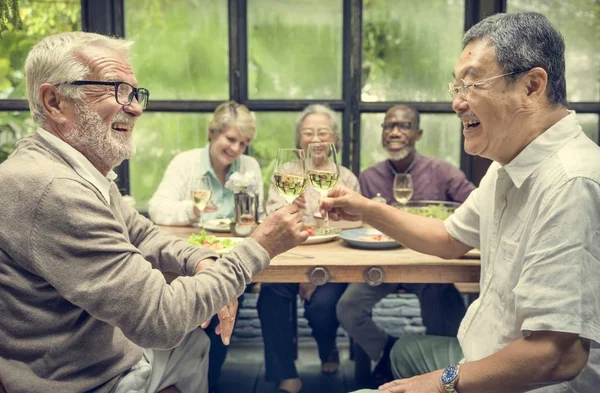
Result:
x=84 y=306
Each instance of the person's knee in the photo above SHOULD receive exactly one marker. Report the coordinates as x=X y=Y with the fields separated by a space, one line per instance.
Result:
x=347 y=312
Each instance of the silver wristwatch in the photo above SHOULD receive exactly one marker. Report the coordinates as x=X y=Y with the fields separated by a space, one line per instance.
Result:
x=450 y=378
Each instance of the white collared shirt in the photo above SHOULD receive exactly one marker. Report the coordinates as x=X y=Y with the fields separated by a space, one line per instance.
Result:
x=80 y=164
x=537 y=223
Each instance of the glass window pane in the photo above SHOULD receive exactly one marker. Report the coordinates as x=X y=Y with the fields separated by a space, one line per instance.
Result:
x=40 y=19
x=13 y=126
x=409 y=51
x=579 y=23
x=295 y=49
x=181 y=49
x=441 y=138
x=158 y=138
x=589 y=123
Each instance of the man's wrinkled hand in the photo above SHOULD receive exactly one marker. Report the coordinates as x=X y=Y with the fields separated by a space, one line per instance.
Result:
x=281 y=231
x=306 y=290
x=344 y=204
x=426 y=383
x=300 y=202
x=226 y=322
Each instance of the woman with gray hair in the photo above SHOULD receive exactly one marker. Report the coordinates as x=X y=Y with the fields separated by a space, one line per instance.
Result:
x=317 y=123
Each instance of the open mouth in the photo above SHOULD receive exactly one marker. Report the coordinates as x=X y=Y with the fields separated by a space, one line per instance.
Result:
x=471 y=124
x=396 y=145
x=120 y=127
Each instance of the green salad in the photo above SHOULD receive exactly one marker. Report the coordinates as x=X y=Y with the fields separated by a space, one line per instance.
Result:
x=440 y=211
x=205 y=240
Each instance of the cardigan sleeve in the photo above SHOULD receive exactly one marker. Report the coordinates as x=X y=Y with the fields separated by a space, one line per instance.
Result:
x=171 y=203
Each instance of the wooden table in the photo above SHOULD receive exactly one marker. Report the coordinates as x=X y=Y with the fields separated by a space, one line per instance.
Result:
x=336 y=262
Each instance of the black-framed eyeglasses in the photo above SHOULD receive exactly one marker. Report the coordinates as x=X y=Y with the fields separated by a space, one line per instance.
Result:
x=124 y=92
x=401 y=125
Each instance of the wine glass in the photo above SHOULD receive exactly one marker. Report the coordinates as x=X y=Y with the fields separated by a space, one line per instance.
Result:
x=323 y=170
x=403 y=188
x=201 y=194
x=289 y=174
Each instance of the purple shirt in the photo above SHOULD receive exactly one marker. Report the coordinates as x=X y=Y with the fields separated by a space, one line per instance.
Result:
x=433 y=180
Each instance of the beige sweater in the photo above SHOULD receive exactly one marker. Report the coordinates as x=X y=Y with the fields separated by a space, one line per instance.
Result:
x=80 y=289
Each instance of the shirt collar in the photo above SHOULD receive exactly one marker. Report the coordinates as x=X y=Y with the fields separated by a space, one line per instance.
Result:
x=541 y=148
x=416 y=158
x=80 y=164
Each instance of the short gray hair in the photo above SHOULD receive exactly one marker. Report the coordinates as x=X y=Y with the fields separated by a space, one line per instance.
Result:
x=55 y=59
x=524 y=41
x=316 y=109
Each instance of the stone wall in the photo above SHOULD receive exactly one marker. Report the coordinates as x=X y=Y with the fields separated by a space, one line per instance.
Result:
x=398 y=314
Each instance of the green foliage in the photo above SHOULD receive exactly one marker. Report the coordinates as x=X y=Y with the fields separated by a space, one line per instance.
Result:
x=181 y=50
x=10 y=17
x=16 y=40
x=13 y=126
x=409 y=48
x=291 y=56
x=295 y=52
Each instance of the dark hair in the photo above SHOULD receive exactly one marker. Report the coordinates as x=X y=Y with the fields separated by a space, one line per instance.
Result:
x=409 y=108
x=523 y=41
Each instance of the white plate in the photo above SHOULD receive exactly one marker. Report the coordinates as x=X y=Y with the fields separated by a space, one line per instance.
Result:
x=218 y=225
x=355 y=238
x=320 y=239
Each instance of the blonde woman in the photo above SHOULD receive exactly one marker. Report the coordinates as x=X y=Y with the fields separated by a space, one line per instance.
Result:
x=231 y=130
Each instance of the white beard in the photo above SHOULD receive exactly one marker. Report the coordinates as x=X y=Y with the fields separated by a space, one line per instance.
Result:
x=399 y=155
x=90 y=133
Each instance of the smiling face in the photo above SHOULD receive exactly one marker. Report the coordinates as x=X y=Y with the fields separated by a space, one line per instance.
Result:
x=99 y=127
x=399 y=142
x=227 y=146
x=491 y=113
x=315 y=128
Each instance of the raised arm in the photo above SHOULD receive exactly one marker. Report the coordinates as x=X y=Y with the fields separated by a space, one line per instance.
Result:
x=79 y=247
x=423 y=234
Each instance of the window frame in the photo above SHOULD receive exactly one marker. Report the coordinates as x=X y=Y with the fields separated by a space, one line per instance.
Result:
x=107 y=17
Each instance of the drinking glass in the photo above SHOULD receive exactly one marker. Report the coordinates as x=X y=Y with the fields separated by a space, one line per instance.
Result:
x=323 y=170
x=403 y=188
x=289 y=174
x=201 y=194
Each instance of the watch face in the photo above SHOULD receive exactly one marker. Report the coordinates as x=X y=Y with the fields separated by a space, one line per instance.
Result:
x=449 y=374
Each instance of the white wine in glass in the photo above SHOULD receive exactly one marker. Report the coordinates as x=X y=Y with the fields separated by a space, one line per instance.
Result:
x=201 y=194
x=289 y=174
x=323 y=170
x=201 y=198
x=403 y=188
